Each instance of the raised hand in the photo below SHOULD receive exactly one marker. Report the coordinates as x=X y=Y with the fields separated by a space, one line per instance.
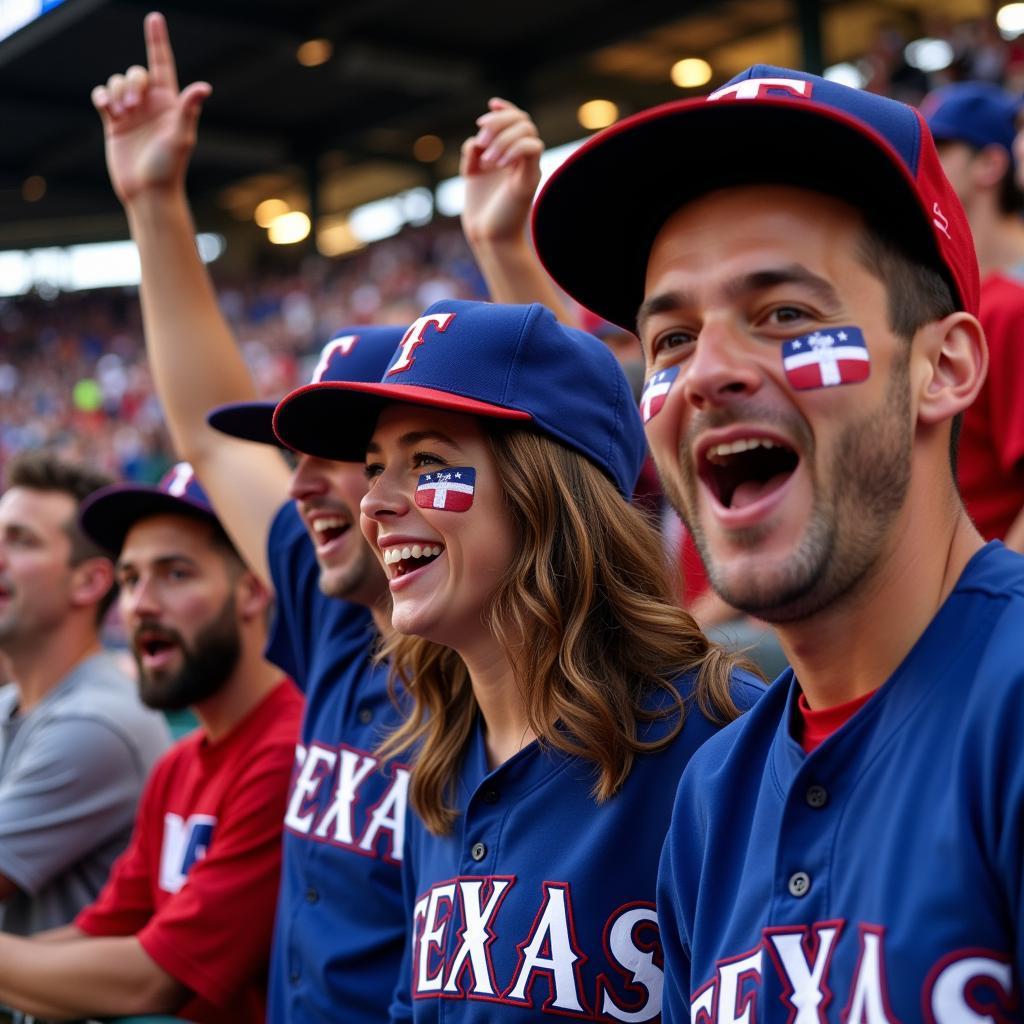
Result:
x=149 y=124
x=501 y=167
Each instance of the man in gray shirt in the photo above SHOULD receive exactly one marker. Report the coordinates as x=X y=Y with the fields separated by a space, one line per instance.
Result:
x=76 y=744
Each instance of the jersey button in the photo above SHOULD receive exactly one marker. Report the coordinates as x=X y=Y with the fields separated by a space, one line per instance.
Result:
x=312 y=896
x=816 y=797
x=365 y=716
x=489 y=795
x=799 y=884
x=478 y=852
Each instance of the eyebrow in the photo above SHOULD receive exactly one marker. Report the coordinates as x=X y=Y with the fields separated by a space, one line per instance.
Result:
x=417 y=437
x=758 y=280
x=162 y=562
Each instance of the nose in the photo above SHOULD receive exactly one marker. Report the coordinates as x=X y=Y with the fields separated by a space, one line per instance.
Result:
x=138 y=602
x=724 y=366
x=308 y=479
x=385 y=500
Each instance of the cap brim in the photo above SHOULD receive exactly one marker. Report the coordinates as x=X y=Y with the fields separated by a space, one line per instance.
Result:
x=111 y=512
x=335 y=420
x=250 y=421
x=598 y=215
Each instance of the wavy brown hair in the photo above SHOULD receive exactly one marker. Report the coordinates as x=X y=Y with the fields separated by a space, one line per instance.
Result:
x=588 y=619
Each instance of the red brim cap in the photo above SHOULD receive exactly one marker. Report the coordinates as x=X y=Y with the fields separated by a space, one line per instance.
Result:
x=597 y=217
x=335 y=420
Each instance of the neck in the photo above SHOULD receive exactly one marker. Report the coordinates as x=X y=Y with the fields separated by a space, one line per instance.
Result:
x=500 y=703
x=250 y=682
x=998 y=238
x=40 y=664
x=850 y=648
x=381 y=612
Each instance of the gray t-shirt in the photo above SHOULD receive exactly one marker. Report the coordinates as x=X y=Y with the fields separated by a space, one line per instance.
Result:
x=71 y=773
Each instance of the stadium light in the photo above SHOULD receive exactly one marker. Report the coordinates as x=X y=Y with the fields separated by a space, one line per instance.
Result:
x=596 y=114
x=289 y=228
x=428 y=148
x=846 y=74
x=314 y=52
x=268 y=211
x=334 y=237
x=33 y=188
x=1010 y=20
x=929 y=55
x=690 y=73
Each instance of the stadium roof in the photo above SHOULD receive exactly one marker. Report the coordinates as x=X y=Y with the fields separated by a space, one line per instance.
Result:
x=399 y=69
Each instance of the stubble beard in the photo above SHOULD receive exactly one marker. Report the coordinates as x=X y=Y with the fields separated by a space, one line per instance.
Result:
x=850 y=519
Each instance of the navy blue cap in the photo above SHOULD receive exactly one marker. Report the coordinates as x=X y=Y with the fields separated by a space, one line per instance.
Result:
x=355 y=353
x=598 y=215
x=514 y=363
x=108 y=514
x=974 y=112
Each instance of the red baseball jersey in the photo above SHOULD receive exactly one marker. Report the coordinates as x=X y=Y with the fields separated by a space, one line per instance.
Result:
x=198 y=882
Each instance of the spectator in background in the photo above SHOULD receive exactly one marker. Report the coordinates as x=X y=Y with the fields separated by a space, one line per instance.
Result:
x=974 y=126
x=184 y=923
x=76 y=745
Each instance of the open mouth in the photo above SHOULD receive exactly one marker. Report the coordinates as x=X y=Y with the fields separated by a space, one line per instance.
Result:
x=402 y=560
x=743 y=471
x=152 y=646
x=329 y=528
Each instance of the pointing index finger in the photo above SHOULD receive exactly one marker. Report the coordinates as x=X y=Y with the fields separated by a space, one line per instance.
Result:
x=159 y=55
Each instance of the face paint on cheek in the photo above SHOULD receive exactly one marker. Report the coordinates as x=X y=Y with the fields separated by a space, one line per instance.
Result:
x=656 y=391
x=448 y=489
x=826 y=358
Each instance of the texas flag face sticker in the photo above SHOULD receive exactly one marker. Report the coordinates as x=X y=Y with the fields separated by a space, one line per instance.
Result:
x=656 y=391
x=826 y=358
x=448 y=489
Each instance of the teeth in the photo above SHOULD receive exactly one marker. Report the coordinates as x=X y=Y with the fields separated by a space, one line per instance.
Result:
x=720 y=452
x=323 y=525
x=393 y=555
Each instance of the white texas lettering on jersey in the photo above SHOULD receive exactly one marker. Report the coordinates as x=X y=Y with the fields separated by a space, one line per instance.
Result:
x=415 y=336
x=457 y=924
x=185 y=841
x=801 y=958
x=326 y=793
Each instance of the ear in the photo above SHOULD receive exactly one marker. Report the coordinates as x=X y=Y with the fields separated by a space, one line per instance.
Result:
x=989 y=166
x=91 y=580
x=252 y=596
x=953 y=360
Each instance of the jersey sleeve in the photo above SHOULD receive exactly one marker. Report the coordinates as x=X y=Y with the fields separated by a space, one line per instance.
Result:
x=303 y=614
x=214 y=933
x=125 y=902
x=75 y=789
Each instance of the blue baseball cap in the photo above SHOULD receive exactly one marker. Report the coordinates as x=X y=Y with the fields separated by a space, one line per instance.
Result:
x=978 y=113
x=598 y=215
x=515 y=363
x=355 y=353
x=109 y=513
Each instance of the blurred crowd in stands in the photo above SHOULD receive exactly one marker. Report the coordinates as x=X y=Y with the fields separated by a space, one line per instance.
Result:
x=73 y=375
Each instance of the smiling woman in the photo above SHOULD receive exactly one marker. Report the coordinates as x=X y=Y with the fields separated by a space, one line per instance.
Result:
x=555 y=690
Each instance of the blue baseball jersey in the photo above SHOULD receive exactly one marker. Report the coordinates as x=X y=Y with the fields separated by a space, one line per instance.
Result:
x=877 y=879
x=541 y=901
x=340 y=917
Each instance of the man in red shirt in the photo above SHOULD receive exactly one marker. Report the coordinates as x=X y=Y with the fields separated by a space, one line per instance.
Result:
x=974 y=124
x=185 y=920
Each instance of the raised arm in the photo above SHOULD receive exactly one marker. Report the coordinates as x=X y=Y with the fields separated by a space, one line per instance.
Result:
x=150 y=131
x=501 y=167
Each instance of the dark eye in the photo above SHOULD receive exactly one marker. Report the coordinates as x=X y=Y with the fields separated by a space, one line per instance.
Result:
x=426 y=459
x=787 y=315
x=672 y=341
x=373 y=469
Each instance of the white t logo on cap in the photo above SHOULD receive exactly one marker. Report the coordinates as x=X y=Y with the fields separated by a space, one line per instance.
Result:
x=344 y=345
x=183 y=474
x=414 y=337
x=761 y=88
